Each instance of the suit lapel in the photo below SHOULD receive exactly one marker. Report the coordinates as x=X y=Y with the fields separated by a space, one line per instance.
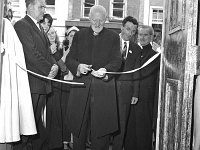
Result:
x=129 y=50
x=120 y=44
x=44 y=35
x=36 y=29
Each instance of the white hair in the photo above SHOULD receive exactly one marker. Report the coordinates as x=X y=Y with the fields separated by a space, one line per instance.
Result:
x=97 y=8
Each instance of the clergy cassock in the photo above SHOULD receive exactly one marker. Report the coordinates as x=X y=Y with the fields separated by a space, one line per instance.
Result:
x=16 y=111
x=100 y=51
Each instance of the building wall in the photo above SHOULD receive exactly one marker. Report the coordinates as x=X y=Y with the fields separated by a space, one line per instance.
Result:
x=156 y=3
x=65 y=10
x=141 y=11
x=76 y=10
x=132 y=8
x=106 y=4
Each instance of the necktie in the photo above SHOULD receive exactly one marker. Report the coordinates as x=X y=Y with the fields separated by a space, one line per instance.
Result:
x=124 y=51
x=41 y=29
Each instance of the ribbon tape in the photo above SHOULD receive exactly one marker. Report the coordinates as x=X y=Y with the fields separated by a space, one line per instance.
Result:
x=132 y=71
x=78 y=83
x=45 y=77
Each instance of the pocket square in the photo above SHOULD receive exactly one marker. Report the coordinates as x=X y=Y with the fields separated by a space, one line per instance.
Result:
x=130 y=51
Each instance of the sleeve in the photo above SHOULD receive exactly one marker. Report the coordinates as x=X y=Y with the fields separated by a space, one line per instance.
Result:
x=34 y=58
x=136 y=75
x=57 y=55
x=151 y=68
x=115 y=59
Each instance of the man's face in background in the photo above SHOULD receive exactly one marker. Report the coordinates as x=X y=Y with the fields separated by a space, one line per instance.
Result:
x=157 y=37
x=128 y=30
x=144 y=36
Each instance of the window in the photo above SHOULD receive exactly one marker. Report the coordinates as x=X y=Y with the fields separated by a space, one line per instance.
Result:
x=156 y=17
x=118 y=9
x=87 y=4
x=50 y=2
x=50 y=7
x=15 y=8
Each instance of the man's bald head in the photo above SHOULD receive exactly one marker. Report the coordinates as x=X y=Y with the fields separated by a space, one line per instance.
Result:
x=97 y=17
x=97 y=9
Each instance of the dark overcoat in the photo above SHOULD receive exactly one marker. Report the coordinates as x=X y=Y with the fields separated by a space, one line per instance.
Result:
x=39 y=60
x=139 y=129
x=101 y=51
x=130 y=87
x=36 y=52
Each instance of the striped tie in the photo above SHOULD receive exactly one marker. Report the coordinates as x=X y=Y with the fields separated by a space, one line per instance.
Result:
x=124 y=51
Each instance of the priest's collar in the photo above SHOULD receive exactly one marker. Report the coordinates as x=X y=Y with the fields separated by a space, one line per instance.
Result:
x=95 y=33
x=148 y=46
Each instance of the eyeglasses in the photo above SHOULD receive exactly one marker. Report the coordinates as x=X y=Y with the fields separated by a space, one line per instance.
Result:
x=95 y=21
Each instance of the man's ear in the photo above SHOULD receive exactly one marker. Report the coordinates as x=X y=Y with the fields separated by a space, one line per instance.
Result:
x=30 y=7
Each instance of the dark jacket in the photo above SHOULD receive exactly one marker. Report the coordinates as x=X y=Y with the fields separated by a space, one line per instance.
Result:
x=130 y=83
x=37 y=54
x=148 y=74
x=139 y=128
x=101 y=51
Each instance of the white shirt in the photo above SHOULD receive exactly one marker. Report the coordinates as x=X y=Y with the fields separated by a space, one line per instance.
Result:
x=35 y=21
x=122 y=44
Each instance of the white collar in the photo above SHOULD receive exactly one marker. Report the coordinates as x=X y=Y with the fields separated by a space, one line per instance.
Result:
x=140 y=45
x=34 y=20
x=127 y=42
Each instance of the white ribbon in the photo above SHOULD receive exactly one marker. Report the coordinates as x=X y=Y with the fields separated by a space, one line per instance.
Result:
x=107 y=72
x=132 y=71
x=61 y=81
x=56 y=80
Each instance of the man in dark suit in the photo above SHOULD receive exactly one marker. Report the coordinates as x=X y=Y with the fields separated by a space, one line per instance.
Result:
x=94 y=50
x=127 y=88
x=38 y=60
x=139 y=128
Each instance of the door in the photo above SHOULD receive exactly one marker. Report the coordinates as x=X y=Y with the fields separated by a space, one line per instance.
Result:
x=1 y=26
x=178 y=67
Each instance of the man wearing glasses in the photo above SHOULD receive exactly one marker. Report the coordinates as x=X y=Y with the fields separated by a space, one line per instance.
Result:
x=94 y=51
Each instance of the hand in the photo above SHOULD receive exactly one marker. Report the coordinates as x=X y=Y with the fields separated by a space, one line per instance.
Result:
x=65 y=53
x=84 y=68
x=53 y=72
x=134 y=100
x=99 y=73
x=155 y=46
x=53 y=48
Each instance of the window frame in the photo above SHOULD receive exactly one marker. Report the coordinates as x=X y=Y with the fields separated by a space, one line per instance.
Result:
x=124 y=10
x=52 y=5
x=151 y=15
x=83 y=8
x=50 y=9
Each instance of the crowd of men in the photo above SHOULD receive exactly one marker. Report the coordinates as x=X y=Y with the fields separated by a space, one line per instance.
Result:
x=111 y=109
